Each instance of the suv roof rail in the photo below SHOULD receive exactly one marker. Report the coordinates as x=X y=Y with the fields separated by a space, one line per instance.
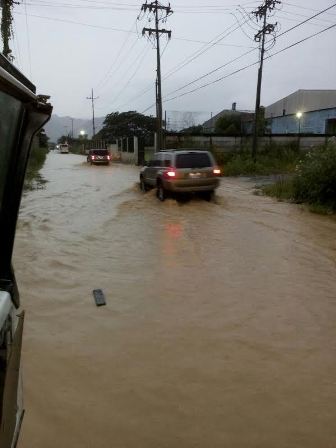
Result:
x=183 y=149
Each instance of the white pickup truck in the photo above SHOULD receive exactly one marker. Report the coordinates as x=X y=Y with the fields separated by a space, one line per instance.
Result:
x=64 y=148
x=22 y=114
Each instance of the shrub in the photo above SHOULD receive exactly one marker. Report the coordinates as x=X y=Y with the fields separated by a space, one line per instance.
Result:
x=315 y=180
x=272 y=159
x=281 y=189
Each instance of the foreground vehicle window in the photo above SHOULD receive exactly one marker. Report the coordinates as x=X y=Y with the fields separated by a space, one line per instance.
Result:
x=22 y=114
x=9 y=117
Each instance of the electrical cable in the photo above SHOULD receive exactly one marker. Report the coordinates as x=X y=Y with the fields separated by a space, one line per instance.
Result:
x=251 y=65
x=233 y=60
x=109 y=75
x=28 y=40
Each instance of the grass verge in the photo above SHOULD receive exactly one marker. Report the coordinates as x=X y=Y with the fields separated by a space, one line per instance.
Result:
x=274 y=159
x=313 y=184
x=33 y=179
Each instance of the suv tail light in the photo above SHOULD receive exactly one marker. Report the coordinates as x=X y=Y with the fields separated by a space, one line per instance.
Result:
x=217 y=171
x=92 y=157
x=108 y=157
x=170 y=173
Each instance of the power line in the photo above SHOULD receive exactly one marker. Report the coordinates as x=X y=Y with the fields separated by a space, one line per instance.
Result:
x=199 y=53
x=233 y=60
x=307 y=20
x=117 y=57
x=213 y=71
x=28 y=39
x=221 y=66
x=250 y=65
x=117 y=68
x=72 y=22
x=137 y=63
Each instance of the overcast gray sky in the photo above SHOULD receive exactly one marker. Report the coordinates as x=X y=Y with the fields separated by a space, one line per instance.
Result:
x=69 y=46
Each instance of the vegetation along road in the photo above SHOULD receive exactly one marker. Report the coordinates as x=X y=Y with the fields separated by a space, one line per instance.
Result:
x=219 y=329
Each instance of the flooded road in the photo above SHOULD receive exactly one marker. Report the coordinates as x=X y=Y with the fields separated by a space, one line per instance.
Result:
x=220 y=326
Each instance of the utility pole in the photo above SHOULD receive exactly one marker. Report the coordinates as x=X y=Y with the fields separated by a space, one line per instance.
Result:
x=92 y=98
x=155 y=7
x=261 y=13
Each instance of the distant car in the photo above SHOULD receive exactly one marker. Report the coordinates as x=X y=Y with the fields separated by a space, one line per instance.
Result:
x=181 y=171
x=64 y=148
x=99 y=157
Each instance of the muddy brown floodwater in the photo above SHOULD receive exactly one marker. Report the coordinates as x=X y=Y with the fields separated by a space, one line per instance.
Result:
x=220 y=327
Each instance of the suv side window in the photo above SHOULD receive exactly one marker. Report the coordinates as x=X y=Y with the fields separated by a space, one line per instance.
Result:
x=156 y=160
x=9 y=116
x=167 y=162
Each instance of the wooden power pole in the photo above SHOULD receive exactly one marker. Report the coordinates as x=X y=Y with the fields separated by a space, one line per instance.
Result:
x=155 y=7
x=261 y=14
x=92 y=98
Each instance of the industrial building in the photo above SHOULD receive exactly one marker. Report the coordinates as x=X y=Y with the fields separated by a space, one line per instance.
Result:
x=245 y=116
x=304 y=112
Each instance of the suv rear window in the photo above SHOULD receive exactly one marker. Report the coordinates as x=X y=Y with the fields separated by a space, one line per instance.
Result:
x=9 y=115
x=99 y=152
x=193 y=160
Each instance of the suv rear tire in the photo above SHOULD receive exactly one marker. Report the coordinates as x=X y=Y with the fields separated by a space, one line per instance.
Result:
x=209 y=195
x=143 y=185
x=161 y=193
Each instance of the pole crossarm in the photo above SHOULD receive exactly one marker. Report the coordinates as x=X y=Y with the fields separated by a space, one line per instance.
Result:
x=268 y=6
x=153 y=31
x=154 y=6
x=268 y=29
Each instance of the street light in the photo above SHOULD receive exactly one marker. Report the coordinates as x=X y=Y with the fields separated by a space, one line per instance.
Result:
x=299 y=116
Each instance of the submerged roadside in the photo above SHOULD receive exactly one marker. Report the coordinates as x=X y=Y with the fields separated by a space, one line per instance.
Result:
x=38 y=155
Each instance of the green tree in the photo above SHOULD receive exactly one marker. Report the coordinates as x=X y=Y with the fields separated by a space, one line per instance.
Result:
x=126 y=124
x=195 y=130
x=229 y=124
x=43 y=139
x=6 y=26
x=64 y=139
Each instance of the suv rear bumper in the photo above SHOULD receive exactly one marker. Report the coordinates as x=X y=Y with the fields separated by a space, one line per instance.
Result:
x=98 y=162
x=182 y=186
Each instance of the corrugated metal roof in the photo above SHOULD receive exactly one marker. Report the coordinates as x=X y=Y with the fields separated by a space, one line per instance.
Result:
x=302 y=101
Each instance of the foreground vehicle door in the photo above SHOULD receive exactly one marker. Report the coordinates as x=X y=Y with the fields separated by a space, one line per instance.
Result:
x=22 y=114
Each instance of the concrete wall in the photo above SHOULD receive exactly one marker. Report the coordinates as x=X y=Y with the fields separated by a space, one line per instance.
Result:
x=125 y=150
x=236 y=143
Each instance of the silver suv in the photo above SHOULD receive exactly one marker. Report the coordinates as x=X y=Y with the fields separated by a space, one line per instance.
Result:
x=181 y=171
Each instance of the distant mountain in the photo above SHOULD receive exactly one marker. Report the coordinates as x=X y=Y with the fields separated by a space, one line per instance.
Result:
x=59 y=126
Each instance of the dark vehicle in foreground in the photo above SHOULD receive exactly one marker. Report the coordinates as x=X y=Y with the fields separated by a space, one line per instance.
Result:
x=99 y=157
x=22 y=114
x=181 y=171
